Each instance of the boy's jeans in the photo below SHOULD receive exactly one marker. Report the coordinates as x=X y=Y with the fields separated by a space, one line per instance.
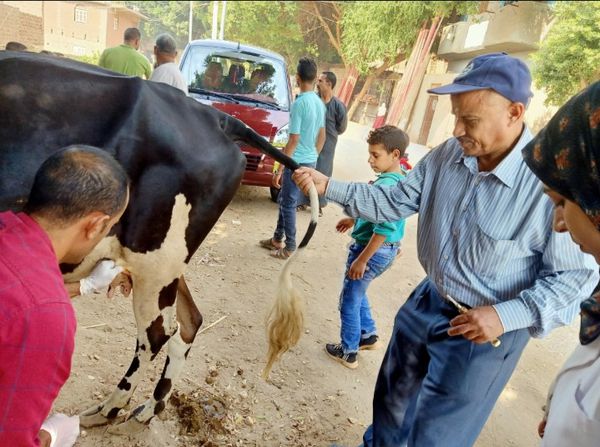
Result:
x=288 y=199
x=355 y=311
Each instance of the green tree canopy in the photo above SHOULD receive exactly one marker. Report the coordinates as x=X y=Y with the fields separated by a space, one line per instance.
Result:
x=386 y=31
x=173 y=17
x=569 y=58
x=273 y=25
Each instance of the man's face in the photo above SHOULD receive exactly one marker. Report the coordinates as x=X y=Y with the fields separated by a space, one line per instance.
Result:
x=91 y=232
x=323 y=85
x=213 y=77
x=482 y=121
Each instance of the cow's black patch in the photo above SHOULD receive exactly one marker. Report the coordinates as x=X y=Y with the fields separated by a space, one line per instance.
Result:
x=162 y=388
x=124 y=384
x=157 y=336
x=167 y=295
x=135 y=365
x=160 y=406
x=113 y=413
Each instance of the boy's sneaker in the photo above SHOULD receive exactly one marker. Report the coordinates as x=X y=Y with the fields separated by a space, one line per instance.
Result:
x=336 y=352
x=369 y=343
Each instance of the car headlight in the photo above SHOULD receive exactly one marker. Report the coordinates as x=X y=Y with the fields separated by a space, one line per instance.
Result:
x=281 y=137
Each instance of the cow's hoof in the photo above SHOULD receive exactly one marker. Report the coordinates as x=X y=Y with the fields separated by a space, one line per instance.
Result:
x=93 y=420
x=130 y=427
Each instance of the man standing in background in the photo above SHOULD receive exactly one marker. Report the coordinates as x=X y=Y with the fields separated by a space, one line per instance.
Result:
x=125 y=58
x=336 y=121
x=166 y=70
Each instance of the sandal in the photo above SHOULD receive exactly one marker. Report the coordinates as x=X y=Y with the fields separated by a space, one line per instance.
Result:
x=281 y=253
x=270 y=244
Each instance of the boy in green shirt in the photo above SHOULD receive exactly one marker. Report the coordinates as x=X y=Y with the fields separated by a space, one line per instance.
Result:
x=373 y=251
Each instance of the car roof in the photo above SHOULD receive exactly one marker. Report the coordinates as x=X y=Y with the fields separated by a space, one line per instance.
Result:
x=256 y=51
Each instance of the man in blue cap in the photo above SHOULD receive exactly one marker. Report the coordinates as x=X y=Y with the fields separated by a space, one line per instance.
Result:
x=485 y=240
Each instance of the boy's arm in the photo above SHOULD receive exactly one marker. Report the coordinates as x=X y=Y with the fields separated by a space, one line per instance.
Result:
x=320 y=140
x=359 y=266
x=291 y=145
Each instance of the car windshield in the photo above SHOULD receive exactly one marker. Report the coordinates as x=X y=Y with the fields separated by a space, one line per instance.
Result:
x=247 y=76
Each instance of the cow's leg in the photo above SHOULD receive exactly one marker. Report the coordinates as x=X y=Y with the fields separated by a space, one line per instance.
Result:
x=189 y=320
x=154 y=330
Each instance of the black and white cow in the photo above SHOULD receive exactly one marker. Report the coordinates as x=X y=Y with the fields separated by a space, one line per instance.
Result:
x=184 y=168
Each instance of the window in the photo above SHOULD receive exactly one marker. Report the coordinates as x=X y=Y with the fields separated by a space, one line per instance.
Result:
x=116 y=23
x=80 y=15
x=78 y=51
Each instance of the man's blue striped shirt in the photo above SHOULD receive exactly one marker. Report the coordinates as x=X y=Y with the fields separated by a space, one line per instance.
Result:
x=485 y=238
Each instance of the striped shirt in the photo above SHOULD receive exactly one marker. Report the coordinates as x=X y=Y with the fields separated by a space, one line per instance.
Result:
x=484 y=238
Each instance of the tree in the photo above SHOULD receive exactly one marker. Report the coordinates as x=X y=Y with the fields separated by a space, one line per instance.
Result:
x=569 y=58
x=378 y=35
x=173 y=17
x=273 y=25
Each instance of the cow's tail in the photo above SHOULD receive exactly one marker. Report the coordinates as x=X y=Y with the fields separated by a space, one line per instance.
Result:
x=286 y=318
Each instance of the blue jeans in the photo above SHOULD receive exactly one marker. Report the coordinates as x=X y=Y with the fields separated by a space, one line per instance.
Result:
x=432 y=389
x=289 y=197
x=355 y=311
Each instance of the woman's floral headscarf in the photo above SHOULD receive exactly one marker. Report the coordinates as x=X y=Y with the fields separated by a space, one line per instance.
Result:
x=565 y=155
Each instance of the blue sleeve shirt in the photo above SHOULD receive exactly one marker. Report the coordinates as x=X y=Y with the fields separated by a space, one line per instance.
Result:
x=307 y=118
x=485 y=238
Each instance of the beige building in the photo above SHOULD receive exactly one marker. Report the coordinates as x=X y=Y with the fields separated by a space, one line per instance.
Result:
x=513 y=27
x=72 y=27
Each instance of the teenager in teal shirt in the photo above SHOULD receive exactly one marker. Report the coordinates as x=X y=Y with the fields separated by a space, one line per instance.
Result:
x=307 y=135
x=373 y=251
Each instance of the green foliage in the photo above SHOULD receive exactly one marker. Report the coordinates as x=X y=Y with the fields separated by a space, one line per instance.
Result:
x=378 y=31
x=173 y=17
x=88 y=58
x=569 y=58
x=273 y=25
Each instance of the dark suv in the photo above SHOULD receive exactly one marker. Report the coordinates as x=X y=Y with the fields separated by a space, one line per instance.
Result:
x=249 y=83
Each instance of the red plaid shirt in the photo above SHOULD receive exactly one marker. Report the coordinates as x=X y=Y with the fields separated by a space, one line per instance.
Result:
x=37 y=329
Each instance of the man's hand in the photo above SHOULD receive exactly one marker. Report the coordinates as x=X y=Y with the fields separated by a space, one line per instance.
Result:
x=357 y=269
x=304 y=177
x=100 y=278
x=480 y=325
x=276 y=180
x=61 y=429
x=344 y=224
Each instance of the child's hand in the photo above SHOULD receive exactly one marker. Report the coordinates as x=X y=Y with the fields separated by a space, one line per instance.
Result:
x=357 y=269
x=344 y=224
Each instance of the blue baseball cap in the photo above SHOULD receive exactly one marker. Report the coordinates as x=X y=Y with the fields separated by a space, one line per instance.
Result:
x=500 y=72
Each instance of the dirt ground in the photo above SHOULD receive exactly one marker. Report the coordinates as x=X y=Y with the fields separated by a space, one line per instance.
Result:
x=221 y=400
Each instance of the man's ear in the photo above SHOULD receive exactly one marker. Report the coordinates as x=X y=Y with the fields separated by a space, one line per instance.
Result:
x=516 y=110
x=94 y=224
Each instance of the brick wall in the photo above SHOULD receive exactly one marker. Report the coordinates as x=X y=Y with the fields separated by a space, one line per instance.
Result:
x=24 y=28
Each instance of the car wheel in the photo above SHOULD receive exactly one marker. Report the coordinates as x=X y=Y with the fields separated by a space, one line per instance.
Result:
x=274 y=194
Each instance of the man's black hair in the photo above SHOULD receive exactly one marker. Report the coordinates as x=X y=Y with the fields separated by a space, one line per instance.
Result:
x=15 y=46
x=132 y=34
x=76 y=181
x=307 y=69
x=331 y=78
x=390 y=137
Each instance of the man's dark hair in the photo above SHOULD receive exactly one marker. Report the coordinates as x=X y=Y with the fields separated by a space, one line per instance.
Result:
x=166 y=44
x=15 y=46
x=390 y=137
x=331 y=78
x=76 y=181
x=131 y=34
x=307 y=69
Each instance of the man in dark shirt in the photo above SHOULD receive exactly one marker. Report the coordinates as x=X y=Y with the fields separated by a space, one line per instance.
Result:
x=78 y=194
x=336 y=121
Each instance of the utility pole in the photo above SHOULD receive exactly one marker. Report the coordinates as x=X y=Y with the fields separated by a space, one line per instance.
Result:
x=215 y=20
x=224 y=6
x=190 y=20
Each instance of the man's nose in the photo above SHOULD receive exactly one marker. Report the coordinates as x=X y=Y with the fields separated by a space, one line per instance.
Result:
x=558 y=222
x=459 y=129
